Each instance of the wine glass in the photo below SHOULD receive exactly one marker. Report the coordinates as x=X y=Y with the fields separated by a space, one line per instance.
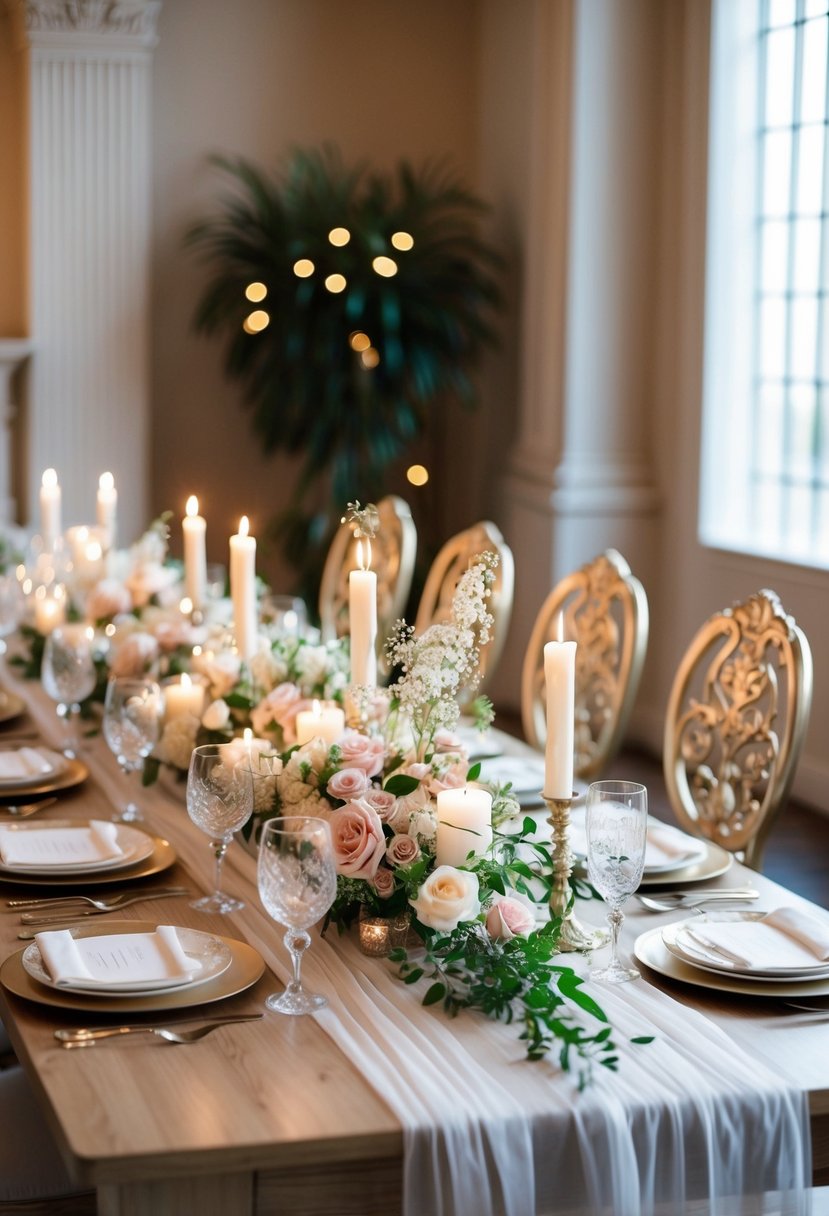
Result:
x=219 y=801
x=132 y=721
x=297 y=883
x=617 y=829
x=68 y=675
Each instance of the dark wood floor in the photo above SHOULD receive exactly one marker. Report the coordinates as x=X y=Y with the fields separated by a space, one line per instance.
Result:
x=797 y=852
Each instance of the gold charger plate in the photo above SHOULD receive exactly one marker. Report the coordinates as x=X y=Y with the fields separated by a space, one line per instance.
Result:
x=246 y=967
x=650 y=950
x=73 y=774
x=11 y=706
x=161 y=858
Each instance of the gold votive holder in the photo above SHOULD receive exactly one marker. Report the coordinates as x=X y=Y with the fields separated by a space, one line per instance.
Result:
x=379 y=935
x=573 y=936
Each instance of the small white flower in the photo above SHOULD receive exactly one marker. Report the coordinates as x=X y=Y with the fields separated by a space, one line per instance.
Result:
x=216 y=716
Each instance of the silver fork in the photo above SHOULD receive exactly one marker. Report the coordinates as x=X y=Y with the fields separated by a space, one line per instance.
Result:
x=110 y=902
x=22 y=810
x=88 y=1038
x=70 y=915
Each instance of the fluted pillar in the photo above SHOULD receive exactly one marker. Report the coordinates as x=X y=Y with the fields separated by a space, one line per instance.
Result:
x=89 y=160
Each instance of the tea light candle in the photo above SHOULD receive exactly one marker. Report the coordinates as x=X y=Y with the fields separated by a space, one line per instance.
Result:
x=50 y=508
x=106 y=508
x=194 y=531
x=560 y=676
x=362 y=614
x=50 y=608
x=183 y=694
x=243 y=589
x=464 y=825
x=320 y=722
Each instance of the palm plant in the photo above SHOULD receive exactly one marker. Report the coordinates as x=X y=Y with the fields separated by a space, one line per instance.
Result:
x=352 y=302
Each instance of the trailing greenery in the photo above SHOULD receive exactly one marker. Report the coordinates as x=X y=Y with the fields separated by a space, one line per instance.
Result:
x=310 y=385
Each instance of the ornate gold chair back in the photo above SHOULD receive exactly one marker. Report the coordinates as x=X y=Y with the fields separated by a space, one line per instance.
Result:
x=737 y=718
x=604 y=608
x=393 y=552
x=451 y=562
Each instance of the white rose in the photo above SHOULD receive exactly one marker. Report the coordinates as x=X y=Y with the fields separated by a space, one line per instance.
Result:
x=312 y=663
x=422 y=825
x=177 y=741
x=216 y=716
x=267 y=669
x=447 y=897
x=222 y=670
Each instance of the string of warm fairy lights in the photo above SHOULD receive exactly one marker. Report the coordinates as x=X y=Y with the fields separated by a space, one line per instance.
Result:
x=359 y=342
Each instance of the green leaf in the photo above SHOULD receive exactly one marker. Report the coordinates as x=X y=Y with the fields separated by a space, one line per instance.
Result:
x=474 y=772
x=644 y=1038
x=436 y=993
x=401 y=784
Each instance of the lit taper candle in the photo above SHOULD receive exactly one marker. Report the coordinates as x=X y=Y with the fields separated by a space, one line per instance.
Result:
x=50 y=514
x=194 y=531
x=362 y=614
x=243 y=589
x=106 y=508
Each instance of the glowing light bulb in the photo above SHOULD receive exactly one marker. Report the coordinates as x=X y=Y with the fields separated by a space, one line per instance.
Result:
x=417 y=475
x=257 y=321
x=256 y=292
x=359 y=341
x=387 y=267
x=370 y=358
x=303 y=268
x=339 y=236
x=336 y=283
x=403 y=241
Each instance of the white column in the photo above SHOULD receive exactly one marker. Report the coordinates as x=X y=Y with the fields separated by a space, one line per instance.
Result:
x=13 y=352
x=89 y=145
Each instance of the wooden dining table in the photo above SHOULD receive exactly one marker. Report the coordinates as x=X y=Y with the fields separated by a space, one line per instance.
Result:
x=270 y=1116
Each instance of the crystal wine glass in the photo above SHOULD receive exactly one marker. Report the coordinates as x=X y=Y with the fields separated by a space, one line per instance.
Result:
x=297 y=884
x=132 y=720
x=617 y=827
x=68 y=676
x=219 y=801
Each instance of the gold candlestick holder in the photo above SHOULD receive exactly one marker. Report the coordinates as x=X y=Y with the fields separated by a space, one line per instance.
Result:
x=573 y=935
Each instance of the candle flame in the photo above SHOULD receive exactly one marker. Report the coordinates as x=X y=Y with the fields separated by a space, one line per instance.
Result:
x=49 y=480
x=244 y=526
x=106 y=482
x=364 y=555
x=186 y=606
x=94 y=552
x=186 y=682
x=192 y=507
x=248 y=736
x=560 y=627
x=89 y=633
x=316 y=709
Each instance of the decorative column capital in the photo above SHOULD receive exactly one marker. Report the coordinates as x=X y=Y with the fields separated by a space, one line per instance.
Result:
x=119 y=24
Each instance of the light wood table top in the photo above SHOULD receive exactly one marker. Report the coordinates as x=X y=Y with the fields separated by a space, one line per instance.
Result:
x=270 y=1116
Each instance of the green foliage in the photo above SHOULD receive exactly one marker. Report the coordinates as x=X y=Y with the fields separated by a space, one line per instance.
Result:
x=308 y=389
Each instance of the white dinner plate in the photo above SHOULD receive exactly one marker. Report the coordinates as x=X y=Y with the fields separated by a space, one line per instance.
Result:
x=673 y=936
x=212 y=952
x=650 y=950
x=526 y=776
x=57 y=764
x=712 y=862
x=135 y=846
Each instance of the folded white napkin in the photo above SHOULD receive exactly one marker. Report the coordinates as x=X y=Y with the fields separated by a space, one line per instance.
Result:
x=119 y=960
x=785 y=938
x=27 y=763
x=87 y=843
x=667 y=846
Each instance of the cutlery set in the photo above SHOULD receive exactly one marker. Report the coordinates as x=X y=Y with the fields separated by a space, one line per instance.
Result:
x=675 y=901
x=23 y=810
x=87 y=1037
x=66 y=909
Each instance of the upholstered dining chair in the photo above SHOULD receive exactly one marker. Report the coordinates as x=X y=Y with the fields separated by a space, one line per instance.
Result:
x=450 y=563
x=604 y=608
x=393 y=552
x=737 y=718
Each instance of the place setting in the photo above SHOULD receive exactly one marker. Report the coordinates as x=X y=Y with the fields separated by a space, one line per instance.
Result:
x=33 y=771
x=69 y=853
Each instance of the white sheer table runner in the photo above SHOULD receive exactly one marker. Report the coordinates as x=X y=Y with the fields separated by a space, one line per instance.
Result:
x=689 y=1117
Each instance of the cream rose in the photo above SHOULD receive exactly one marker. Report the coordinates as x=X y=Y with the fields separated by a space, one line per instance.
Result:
x=216 y=716
x=349 y=783
x=361 y=751
x=447 y=897
x=359 y=843
x=510 y=916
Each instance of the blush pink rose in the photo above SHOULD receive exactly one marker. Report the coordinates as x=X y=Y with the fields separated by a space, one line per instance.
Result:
x=451 y=778
x=383 y=803
x=350 y=783
x=402 y=850
x=447 y=741
x=361 y=751
x=510 y=917
x=384 y=883
x=281 y=705
x=359 y=843
x=107 y=599
x=135 y=655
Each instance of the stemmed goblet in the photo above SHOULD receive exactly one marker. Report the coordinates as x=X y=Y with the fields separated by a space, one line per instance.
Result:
x=219 y=802
x=617 y=829
x=297 y=884
x=133 y=709
x=68 y=676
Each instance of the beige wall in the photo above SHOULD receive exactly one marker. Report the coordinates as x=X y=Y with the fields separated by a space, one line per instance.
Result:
x=13 y=306
x=381 y=80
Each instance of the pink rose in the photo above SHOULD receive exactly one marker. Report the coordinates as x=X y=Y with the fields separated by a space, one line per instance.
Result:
x=107 y=599
x=382 y=802
x=510 y=916
x=281 y=705
x=135 y=655
x=361 y=751
x=350 y=783
x=384 y=883
x=402 y=850
x=170 y=634
x=452 y=778
x=420 y=772
x=447 y=741
x=359 y=843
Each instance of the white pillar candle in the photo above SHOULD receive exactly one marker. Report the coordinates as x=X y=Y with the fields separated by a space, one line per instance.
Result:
x=464 y=825
x=362 y=615
x=50 y=516
x=243 y=589
x=248 y=751
x=106 y=508
x=183 y=694
x=322 y=721
x=194 y=530
x=560 y=676
x=50 y=608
